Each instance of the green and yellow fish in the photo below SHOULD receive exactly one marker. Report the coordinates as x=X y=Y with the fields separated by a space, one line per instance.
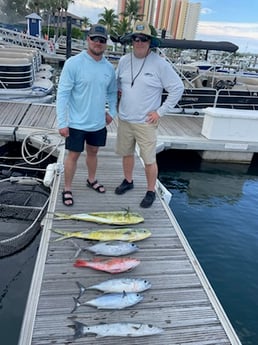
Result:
x=123 y=234
x=113 y=217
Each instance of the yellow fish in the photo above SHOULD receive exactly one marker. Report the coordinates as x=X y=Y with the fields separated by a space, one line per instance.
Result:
x=123 y=234
x=112 y=217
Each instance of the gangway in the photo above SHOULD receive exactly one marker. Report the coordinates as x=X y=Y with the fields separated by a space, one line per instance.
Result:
x=22 y=39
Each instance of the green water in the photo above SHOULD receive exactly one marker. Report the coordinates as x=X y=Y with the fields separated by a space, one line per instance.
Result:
x=216 y=206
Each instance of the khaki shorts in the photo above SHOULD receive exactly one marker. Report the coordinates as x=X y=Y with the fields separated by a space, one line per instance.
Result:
x=128 y=134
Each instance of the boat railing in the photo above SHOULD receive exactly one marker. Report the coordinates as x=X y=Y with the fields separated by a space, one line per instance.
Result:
x=182 y=76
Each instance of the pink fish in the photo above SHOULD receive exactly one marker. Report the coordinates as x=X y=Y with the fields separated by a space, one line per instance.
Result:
x=113 y=265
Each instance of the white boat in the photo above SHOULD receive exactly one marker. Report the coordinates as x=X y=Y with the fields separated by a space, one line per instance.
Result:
x=21 y=79
x=207 y=85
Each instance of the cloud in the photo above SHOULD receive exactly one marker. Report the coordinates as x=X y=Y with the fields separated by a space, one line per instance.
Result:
x=206 y=11
x=245 y=35
x=90 y=8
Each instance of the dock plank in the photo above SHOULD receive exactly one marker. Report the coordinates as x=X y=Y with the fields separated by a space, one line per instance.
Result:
x=181 y=301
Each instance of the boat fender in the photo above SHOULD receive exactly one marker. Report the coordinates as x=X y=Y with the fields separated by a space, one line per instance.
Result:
x=49 y=175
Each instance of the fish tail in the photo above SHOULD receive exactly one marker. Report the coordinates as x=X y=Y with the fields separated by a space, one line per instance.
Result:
x=80 y=263
x=78 y=329
x=64 y=234
x=61 y=216
x=77 y=304
x=82 y=289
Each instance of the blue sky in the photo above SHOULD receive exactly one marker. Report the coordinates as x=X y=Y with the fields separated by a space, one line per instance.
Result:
x=220 y=20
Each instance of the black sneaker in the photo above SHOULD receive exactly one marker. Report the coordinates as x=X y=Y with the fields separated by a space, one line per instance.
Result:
x=147 y=201
x=124 y=187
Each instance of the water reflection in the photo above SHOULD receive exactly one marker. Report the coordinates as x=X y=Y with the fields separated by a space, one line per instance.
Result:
x=216 y=207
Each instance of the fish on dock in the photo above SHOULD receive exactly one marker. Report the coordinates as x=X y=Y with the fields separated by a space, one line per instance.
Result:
x=112 y=248
x=112 y=217
x=115 y=329
x=116 y=234
x=117 y=285
x=113 y=265
x=118 y=301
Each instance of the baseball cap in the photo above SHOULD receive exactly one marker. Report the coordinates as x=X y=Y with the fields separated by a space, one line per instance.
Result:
x=98 y=30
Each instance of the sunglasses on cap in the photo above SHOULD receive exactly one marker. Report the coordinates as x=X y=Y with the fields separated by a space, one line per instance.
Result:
x=140 y=38
x=98 y=39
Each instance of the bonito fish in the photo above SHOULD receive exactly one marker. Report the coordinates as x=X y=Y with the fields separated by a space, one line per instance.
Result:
x=112 y=217
x=123 y=234
x=114 y=248
x=116 y=330
x=117 y=285
x=119 y=300
x=113 y=265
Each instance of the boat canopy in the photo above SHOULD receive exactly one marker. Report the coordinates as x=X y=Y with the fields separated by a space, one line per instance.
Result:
x=195 y=44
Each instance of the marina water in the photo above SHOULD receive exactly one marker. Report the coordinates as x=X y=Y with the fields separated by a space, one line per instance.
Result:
x=216 y=205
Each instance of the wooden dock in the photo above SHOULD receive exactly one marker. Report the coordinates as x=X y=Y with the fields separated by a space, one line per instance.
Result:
x=181 y=300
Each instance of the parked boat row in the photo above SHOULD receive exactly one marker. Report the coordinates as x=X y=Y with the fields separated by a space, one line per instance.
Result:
x=23 y=77
x=207 y=84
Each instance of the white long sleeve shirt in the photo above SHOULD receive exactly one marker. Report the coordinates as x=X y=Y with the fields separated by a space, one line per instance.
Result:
x=149 y=77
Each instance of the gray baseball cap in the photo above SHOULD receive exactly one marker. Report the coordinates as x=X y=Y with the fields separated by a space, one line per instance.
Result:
x=98 y=30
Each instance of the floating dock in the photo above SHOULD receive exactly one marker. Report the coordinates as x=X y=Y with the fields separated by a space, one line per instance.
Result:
x=181 y=300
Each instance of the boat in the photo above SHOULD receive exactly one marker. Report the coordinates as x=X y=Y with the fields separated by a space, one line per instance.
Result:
x=25 y=189
x=23 y=204
x=208 y=84
x=21 y=77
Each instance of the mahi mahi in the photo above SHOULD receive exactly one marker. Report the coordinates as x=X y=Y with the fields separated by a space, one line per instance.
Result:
x=113 y=217
x=115 y=329
x=116 y=234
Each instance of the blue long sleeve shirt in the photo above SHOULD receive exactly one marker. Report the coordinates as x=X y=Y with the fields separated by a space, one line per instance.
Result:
x=84 y=88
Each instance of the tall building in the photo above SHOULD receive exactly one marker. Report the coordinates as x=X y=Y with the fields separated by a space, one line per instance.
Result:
x=191 y=21
x=178 y=17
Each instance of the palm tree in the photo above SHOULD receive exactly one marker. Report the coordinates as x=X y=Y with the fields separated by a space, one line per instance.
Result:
x=86 y=22
x=122 y=27
x=132 y=9
x=109 y=19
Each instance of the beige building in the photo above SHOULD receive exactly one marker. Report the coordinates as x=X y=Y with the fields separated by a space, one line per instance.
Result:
x=178 y=17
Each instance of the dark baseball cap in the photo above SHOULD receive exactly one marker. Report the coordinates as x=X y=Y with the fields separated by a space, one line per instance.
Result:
x=98 y=30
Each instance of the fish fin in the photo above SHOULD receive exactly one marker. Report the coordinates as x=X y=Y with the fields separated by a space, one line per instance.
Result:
x=98 y=260
x=82 y=289
x=80 y=263
x=76 y=304
x=78 y=329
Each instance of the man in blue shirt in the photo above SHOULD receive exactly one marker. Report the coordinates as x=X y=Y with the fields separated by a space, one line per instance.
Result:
x=86 y=83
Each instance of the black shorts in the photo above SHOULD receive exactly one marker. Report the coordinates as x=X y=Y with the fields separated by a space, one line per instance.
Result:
x=77 y=138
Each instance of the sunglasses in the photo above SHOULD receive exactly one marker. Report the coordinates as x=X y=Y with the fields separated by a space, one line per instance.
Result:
x=98 y=39
x=140 y=39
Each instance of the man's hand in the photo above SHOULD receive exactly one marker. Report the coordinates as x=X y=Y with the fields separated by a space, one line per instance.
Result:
x=64 y=132
x=109 y=118
x=153 y=117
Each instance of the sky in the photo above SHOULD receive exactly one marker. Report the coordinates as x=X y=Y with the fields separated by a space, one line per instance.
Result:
x=220 y=20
